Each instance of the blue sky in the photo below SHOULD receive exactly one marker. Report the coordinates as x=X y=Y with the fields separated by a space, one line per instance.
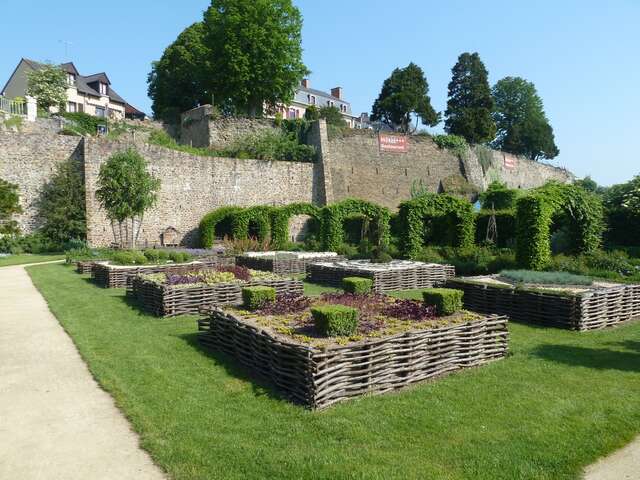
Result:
x=583 y=56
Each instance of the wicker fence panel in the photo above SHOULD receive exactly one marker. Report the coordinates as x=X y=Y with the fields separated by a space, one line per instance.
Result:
x=283 y=266
x=318 y=378
x=85 y=267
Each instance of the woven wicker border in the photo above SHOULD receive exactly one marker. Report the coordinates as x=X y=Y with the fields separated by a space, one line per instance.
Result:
x=420 y=276
x=168 y=301
x=318 y=378
x=85 y=267
x=109 y=276
x=592 y=310
x=283 y=266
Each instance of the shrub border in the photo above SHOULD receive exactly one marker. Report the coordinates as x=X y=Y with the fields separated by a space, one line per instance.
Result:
x=333 y=215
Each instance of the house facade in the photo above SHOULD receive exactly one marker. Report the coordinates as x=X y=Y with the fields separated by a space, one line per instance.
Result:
x=90 y=94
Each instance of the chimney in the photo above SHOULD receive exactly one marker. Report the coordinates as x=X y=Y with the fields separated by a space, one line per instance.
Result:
x=306 y=83
x=337 y=92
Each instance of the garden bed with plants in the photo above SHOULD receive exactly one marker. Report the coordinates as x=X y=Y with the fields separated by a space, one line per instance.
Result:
x=169 y=294
x=556 y=299
x=317 y=352
x=390 y=276
x=283 y=262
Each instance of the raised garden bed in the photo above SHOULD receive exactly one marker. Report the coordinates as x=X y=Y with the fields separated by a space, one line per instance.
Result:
x=119 y=276
x=283 y=263
x=85 y=267
x=387 y=277
x=319 y=372
x=577 y=307
x=160 y=298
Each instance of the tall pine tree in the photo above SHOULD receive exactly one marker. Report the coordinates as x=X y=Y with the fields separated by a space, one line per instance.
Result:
x=470 y=102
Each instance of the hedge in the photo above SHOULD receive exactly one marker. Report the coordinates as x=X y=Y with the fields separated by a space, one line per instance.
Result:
x=335 y=320
x=257 y=296
x=280 y=217
x=357 y=285
x=579 y=209
x=333 y=216
x=446 y=300
x=210 y=221
x=414 y=212
x=499 y=197
x=259 y=215
x=505 y=223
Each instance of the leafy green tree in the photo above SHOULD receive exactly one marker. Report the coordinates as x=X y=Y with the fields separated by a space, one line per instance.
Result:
x=61 y=205
x=333 y=116
x=590 y=185
x=255 y=53
x=404 y=94
x=178 y=81
x=48 y=85
x=9 y=206
x=470 y=102
x=126 y=190
x=312 y=113
x=522 y=126
x=631 y=197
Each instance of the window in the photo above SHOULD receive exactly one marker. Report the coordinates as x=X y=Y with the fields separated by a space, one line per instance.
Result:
x=103 y=88
x=71 y=79
x=313 y=100
x=101 y=112
x=292 y=114
x=72 y=107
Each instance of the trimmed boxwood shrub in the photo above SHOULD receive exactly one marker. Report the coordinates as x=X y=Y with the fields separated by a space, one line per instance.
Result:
x=577 y=209
x=256 y=297
x=280 y=217
x=414 y=212
x=357 y=285
x=505 y=223
x=446 y=300
x=335 y=320
x=210 y=222
x=129 y=257
x=334 y=215
x=258 y=217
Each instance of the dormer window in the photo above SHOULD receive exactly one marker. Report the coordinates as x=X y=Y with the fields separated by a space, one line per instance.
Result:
x=103 y=88
x=71 y=79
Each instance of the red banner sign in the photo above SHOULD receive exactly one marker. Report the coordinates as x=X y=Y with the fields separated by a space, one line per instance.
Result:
x=392 y=143
x=510 y=161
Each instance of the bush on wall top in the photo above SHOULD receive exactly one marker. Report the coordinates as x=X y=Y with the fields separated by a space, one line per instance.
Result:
x=334 y=215
x=430 y=205
x=280 y=217
x=210 y=221
x=498 y=197
x=580 y=210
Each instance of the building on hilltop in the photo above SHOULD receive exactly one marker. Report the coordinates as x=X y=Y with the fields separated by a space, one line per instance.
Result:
x=91 y=94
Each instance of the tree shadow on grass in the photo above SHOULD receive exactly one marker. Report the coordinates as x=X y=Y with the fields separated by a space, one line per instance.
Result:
x=596 y=358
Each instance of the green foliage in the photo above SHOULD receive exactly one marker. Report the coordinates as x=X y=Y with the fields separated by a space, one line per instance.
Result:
x=61 y=205
x=614 y=265
x=256 y=297
x=498 y=197
x=271 y=145
x=505 y=226
x=404 y=94
x=456 y=184
x=623 y=218
x=83 y=123
x=522 y=126
x=545 y=278
x=9 y=206
x=210 y=224
x=48 y=84
x=446 y=300
x=335 y=320
x=357 y=285
x=470 y=102
x=333 y=116
x=178 y=81
x=14 y=122
x=33 y=243
x=280 y=217
x=129 y=257
x=579 y=211
x=476 y=260
x=334 y=215
x=413 y=214
x=455 y=143
x=312 y=113
x=252 y=222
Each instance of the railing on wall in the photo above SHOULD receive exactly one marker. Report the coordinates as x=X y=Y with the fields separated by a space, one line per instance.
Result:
x=13 y=107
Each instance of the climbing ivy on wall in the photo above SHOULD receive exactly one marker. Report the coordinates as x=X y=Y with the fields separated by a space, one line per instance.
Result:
x=579 y=209
x=280 y=217
x=413 y=214
x=499 y=197
x=211 y=220
x=334 y=215
x=259 y=217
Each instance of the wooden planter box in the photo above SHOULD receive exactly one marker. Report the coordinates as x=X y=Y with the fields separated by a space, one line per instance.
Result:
x=85 y=267
x=399 y=274
x=116 y=276
x=318 y=378
x=590 y=309
x=283 y=265
x=171 y=300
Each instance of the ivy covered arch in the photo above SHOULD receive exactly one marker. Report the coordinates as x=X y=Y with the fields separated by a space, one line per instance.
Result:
x=209 y=225
x=333 y=216
x=414 y=212
x=258 y=217
x=280 y=217
x=579 y=210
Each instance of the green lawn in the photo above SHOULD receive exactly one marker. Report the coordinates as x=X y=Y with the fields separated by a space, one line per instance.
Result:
x=561 y=400
x=26 y=258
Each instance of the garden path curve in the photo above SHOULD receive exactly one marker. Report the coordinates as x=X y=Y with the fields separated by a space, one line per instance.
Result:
x=55 y=421
x=623 y=464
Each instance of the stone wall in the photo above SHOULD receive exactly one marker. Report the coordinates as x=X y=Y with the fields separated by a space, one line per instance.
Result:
x=193 y=186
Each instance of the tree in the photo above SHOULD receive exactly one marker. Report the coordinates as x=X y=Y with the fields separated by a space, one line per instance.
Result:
x=470 y=102
x=255 y=53
x=522 y=126
x=62 y=205
x=178 y=81
x=126 y=190
x=9 y=206
x=333 y=116
x=48 y=85
x=403 y=94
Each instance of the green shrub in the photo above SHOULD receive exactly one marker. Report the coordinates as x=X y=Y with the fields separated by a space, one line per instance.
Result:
x=335 y=320
x=280 y=217
x=455 y=143
x=357 y=285
x=545 y=278
x=211 y=223
x=129 y=257
x=333 y=216
x=505 y=226
x=272 y=145
x=179 y=257
x=152 y=255
x=498 y=197
x=83 y=123
x=252 y=222
x=349 y=251
x=446 y=300
x=163 y=255
x=256 y=297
